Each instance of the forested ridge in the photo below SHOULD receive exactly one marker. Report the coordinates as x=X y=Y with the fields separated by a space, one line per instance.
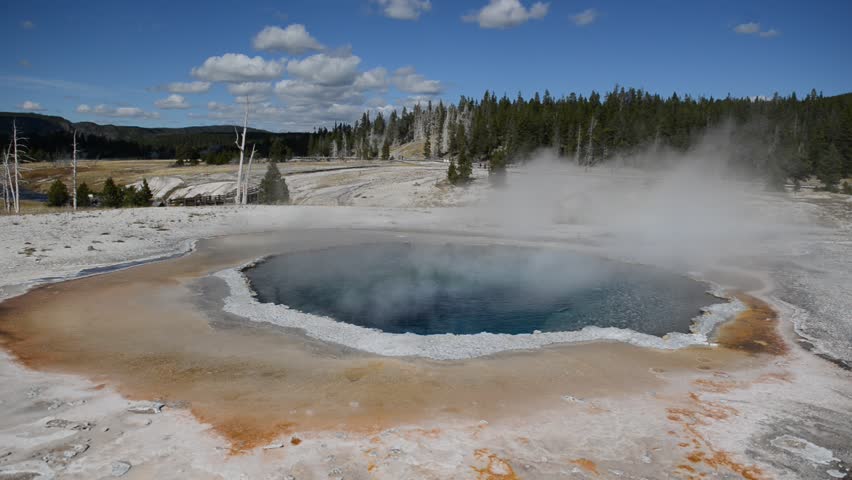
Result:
x=780 y=138
x=49 y=138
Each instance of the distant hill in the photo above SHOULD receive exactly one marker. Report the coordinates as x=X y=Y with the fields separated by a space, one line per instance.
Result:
x=49 y=137
x=34 y=123
x=37 y=124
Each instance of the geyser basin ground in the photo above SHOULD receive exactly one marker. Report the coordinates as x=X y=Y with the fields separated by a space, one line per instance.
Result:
x=158 y=332
x=469 y=289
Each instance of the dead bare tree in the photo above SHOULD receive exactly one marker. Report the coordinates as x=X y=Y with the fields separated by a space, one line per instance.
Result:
x=579 y=144
x=590 y=152
x=17 y=148
x=248 y=176
x=241 y=144
x=6 y=181
x=74 y=171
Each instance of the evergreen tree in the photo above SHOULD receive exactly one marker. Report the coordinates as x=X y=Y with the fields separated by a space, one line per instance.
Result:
x=144 y=196
x=386 y=150
x=112 y=195
x=83 y=193
x=186 y=154
x=465 y=168
x=497 y=169
x=57 y=195
x=452 y=141
x=585 y=129
x=427 y=147
x=439 y=137
x=452 y=173
x=829 y=167
x=278 y=151
x=128 y=196
x=777 y=174
x=273 y=187
x=460 y=139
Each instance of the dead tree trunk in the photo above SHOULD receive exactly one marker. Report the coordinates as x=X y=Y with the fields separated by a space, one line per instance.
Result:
x=241 y=144
x=579 y=144
x=248 y=176
x=590 y=152
x=7 y=181
x=16 y=187
x=74 y=172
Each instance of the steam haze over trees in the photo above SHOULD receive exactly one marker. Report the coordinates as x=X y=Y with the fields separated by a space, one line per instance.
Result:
x=780 y=137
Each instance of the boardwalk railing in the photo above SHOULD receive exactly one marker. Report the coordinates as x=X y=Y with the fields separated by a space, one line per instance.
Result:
x=200 y=200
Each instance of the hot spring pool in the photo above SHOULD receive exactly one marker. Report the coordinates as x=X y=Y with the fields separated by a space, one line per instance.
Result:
x=430 y=289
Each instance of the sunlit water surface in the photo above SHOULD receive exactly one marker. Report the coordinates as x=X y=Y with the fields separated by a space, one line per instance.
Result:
x=434 y=289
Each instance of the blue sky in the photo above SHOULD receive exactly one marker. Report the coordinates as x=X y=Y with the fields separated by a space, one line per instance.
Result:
x=173 y=63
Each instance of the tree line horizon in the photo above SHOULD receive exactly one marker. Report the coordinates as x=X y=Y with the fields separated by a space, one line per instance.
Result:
x=782 y=138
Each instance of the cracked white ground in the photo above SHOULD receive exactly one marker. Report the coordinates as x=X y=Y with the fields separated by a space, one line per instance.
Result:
x=787 y=416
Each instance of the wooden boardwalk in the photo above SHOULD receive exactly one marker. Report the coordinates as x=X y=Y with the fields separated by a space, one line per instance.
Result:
x=200 y=200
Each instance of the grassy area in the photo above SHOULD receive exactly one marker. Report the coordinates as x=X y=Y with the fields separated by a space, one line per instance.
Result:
x=38 y=176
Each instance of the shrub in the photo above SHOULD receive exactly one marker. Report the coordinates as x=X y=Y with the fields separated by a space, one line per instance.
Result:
x=128 y=196
x=219 y=158
x=273 y=187
x=452 y=173
x=184 y=154
x=112 y=196
x=144 y=196
x=465 y=168
x=83 y=193
x=57 y=195
x=141 y=197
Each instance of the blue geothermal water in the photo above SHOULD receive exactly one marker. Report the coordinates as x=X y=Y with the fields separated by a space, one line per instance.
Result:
x=434 y=289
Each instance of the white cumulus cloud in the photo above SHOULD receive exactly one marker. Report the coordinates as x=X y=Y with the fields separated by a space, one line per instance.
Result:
x=747 y=28
x=30 y=106
x=294 y=40
x=404 y=9
x=237 y=67
x=188 y=87
x=324 y=69
x=216 y=106
x=753 y=28
x=250 y=88
x=172 y=102
x=118 y=112
x=586 y=17
x=290 y=117
x=299 y=92
x=375 y=79
x=407 y=80
x=507 y=13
